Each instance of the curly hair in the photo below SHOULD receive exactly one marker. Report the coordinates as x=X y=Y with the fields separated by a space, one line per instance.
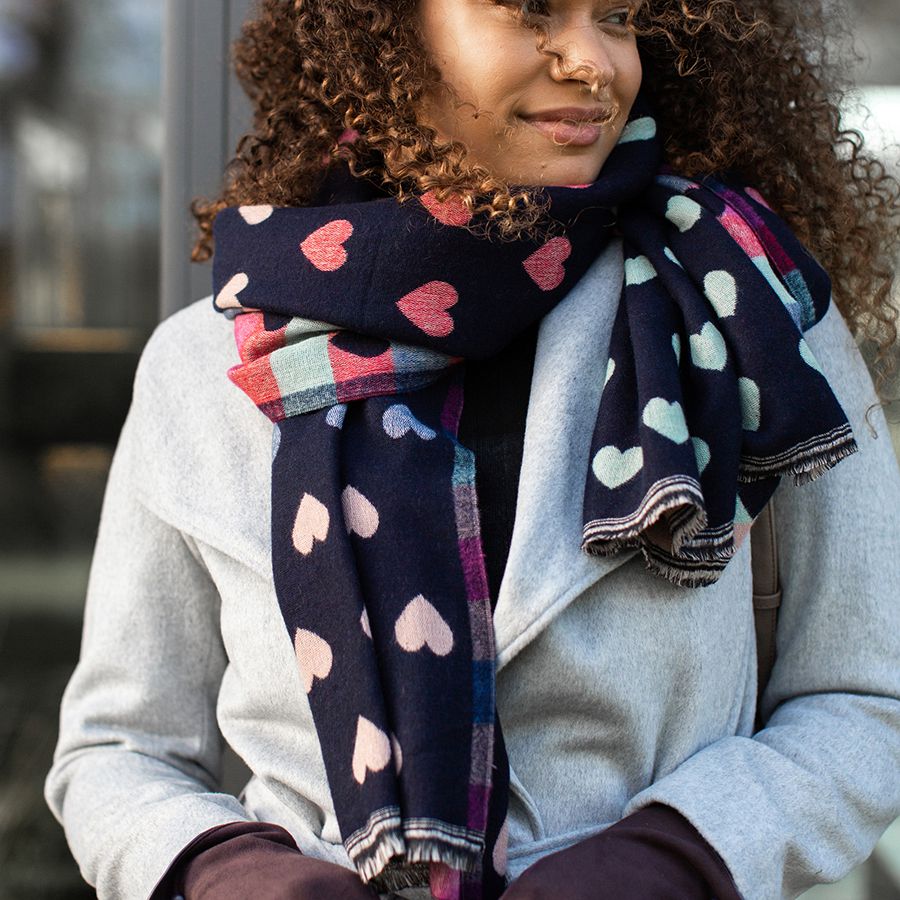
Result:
x=750 y=86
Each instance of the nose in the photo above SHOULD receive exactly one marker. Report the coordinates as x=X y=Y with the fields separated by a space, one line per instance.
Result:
x=579 y=54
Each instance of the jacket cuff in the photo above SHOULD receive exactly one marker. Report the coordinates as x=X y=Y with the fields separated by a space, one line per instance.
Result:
x=265 y=839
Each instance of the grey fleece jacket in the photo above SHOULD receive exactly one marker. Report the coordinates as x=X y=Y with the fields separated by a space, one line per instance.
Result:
x=616 y=689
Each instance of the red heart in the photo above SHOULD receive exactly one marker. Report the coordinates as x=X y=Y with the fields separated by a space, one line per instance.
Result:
x=545 y=265
x=451 y=212
x=324 y=247
x=426 y=307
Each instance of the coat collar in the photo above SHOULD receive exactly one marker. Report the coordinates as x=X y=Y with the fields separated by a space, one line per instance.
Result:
x=546 y=568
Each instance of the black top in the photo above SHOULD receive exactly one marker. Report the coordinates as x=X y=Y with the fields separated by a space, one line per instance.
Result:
x=495 y=402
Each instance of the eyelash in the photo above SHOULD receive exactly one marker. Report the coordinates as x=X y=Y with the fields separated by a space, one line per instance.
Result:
x=540 y=9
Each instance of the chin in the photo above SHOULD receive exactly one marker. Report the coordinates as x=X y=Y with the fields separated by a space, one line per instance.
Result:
x=558 y=172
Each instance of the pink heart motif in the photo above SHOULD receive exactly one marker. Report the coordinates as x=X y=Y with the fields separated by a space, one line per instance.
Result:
x=310 y=525
x=452 y=211
x=360 y=515
x=426 y=307
x=545 y=265
x=421 y=625
x=314 y=657
x=255 y=215
x=228 y=296
x=371 y=751
x=324 y=248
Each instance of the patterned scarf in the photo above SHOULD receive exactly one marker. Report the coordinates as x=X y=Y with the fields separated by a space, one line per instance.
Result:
x=353 y=319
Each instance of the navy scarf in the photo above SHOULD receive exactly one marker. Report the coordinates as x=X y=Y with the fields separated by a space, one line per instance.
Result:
x=354 y=318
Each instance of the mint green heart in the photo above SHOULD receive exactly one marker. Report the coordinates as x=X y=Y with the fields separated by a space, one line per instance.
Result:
x=676 y=345
x=683 y=212
x=708 y=348
x=639 y=270
x=614 y=467
x=701 y=453
x=741 y=516
x=750 y=403
x=808 y=357
x=721 y=290
x=610 y=369
x=666 y=419
x=672 y=257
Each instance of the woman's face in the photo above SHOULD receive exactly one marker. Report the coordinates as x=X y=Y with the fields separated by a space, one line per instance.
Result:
x=532 y=117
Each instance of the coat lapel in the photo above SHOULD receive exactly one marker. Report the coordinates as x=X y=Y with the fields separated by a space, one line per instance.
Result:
x=546 y=568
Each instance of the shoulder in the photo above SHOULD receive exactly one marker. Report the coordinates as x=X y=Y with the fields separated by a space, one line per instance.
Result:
x=198 y=449
x=186 y=342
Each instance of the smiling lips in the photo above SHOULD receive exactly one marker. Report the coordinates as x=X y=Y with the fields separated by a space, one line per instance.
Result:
x=572 y=125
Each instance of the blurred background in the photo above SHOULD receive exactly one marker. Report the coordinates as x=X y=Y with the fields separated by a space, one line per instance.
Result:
x=113 y=113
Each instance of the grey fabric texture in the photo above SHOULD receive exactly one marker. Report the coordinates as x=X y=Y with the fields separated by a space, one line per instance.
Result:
x=615 y=688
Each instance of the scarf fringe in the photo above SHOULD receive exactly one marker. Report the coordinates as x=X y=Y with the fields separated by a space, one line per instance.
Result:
x=606 y=537
x=688 y=578
x=394 y=848
x=804 y=462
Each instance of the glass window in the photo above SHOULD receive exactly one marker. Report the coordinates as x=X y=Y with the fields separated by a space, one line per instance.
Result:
x=80 y=142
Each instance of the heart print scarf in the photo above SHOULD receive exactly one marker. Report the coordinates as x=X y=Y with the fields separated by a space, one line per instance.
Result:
x=353 y=320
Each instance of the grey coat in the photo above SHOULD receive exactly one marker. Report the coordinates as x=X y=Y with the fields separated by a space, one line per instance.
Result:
x=615 y=688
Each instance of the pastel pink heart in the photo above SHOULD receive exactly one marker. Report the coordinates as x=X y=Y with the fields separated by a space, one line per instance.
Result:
x=324 y=248
x=310 y=524
x=372 y=750
x=314 y=657
x=545 y=265
x=452 y=211
x=255 y=215
x=421 y=625
x=426 y=307
x=228 y=296
x=398 y=754
x=360 y=515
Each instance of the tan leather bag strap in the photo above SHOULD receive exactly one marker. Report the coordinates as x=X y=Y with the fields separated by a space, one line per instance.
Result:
x=766 y=593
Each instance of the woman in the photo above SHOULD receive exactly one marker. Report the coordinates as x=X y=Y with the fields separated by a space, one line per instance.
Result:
x=536 y=676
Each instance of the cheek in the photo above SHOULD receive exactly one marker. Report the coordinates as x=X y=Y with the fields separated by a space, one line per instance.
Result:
x=629 y=75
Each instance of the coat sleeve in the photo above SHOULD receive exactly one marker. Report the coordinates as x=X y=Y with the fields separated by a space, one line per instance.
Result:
x=805 y=799
x=135 y=773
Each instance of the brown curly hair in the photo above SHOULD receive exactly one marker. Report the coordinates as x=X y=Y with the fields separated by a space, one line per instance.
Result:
x=747 y=86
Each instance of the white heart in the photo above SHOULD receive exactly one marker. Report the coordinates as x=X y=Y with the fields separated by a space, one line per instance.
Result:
x=254 y=215
x=359 y=513
x=227 y=297
x=721 y=290
x=364 y=622
x=310 y=525
x=614 y=467
x=420 y=624
x=372 y=750
x=610 y=369
x=676 y=346
x=313 y=655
